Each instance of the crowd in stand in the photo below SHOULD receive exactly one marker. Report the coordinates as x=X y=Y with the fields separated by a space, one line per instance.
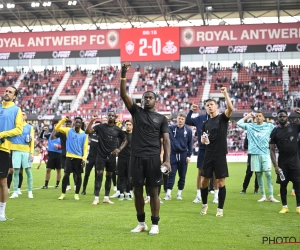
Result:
x=5 y=80
x=102 y=90
x=176 y=89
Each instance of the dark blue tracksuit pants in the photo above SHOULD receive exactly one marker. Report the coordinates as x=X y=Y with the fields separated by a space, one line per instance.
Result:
x=178 y=162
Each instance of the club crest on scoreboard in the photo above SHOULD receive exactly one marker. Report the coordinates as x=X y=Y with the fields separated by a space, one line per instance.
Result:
x=129 y=47
x=169 y=48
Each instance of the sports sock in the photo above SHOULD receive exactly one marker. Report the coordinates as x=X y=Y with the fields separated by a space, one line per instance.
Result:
x=98 y=183
x=169 y=192
x=222 y=196
x=29 y=179
x=179 y=192
x=268 y=175
x=46 y=183
x=141 y=217
x=154 y=220
x=107 y=184
x=297 y=192
x=198 y=193
x=16 y=179
x=78 y=183
x=114 y=178
x=20 y=180
x=261 y=183
x=204 y=194
x=65 y=182
x=2 y=208
x=57 y=183
x=283 y=192
x=9 y=180
x=216 y=195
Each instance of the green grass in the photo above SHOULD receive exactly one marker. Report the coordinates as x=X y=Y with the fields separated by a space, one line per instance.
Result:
x=47 y=223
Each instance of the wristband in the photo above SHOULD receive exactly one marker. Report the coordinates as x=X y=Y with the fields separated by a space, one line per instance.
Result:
x=123 y=78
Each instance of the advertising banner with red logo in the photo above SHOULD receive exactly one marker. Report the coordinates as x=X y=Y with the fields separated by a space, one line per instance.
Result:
x=228 y=35
x=149 y=44
x=59 y=41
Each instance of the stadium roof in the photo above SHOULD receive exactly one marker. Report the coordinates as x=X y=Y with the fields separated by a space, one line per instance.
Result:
x=63 y=13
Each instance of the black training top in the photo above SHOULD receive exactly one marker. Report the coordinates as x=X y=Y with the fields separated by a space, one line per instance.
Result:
x=93 y=145
x=286 y=141
x=148 y=128
x=216 y=128
x=125 y=153
x=107 y=139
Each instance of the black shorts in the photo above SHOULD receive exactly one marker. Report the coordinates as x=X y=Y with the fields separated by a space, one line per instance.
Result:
x=291 y=173
x=146 y=171
x=54 y=163
x=200 y=158
x=217 y=164
x=109 y=163
x=73 y=165
x=5 y=163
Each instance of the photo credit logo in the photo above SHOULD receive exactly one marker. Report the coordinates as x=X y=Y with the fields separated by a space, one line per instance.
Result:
x=280 y=240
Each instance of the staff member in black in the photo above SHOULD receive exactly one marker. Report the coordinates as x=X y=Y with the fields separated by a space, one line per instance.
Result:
x=108 y=135
x=145 y=165
x=285 y=138
x=91 y=159
x=123 y=164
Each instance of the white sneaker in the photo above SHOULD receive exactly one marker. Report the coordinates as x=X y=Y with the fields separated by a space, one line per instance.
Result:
x=147 y=200
x=219 y=212
x=2 y=218
x=160 y=201
x=212 y=192
x=107 y=201
x=115 y=188
x=262 y=199
x=140 y=228
x=95 y=202
x=127 y=197
x=68 y=188
x=19 y=191
x=272 y=199
x=204 y=209
x=121 y=197
x=116 y=195
x=179 y=197
x=14 y=195
x=154 y=230
x=167 y=197
x=215 y=200
x=30 y=195
x=197 y=200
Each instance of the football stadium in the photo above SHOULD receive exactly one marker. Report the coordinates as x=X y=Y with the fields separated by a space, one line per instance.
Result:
x=164 y=124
